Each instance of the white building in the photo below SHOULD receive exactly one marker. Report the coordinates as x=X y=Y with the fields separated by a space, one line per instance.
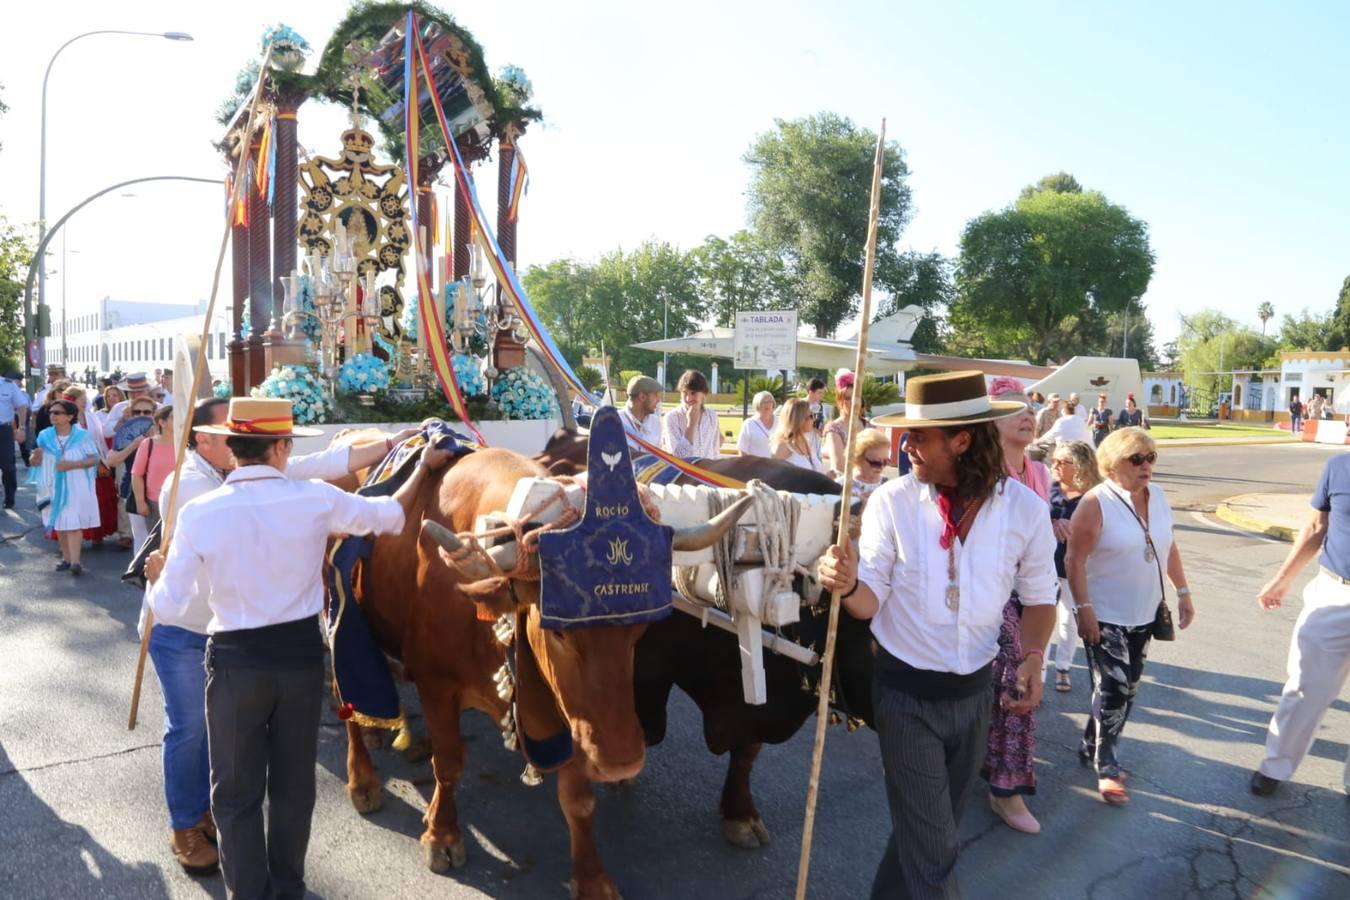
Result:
x=131 y=336
x=1163 y=393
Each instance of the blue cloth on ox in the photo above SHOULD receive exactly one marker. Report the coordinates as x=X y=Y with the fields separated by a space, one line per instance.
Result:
x=612 y=567
x=365 y=686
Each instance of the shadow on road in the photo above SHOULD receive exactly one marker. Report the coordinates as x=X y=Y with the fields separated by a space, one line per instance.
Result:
x=46 y=856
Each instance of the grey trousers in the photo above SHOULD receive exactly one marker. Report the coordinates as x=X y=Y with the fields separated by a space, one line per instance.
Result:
x=931 y=751
x=262 y=729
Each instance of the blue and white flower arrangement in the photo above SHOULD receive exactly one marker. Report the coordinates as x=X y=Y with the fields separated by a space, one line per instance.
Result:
x=469 y=375
x=523 y=394
x=288 y=47
x=223 y=391
x=309 y=403
x=363 y=373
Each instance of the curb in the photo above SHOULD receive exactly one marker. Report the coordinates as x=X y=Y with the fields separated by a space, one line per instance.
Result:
x=1225 y=442
x=1226 y=512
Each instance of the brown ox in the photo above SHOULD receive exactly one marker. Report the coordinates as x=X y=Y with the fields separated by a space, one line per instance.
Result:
x=421 y=592
x=705 y=663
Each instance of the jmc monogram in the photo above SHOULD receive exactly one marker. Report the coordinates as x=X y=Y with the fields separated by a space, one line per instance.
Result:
x=618 y=552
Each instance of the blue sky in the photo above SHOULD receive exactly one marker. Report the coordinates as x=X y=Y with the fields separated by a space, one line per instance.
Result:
x=1220 y=124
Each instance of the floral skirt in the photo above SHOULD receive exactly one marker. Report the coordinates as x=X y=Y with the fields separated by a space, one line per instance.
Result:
x=1010 y=760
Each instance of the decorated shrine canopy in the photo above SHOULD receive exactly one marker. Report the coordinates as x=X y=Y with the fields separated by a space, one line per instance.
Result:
x=364 y=59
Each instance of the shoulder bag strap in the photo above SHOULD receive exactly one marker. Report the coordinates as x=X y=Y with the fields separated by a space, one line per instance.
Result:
x=1157 y=558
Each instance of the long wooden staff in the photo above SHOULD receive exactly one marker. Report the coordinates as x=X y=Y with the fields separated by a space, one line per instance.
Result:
x=167 y=514
x=845 y=514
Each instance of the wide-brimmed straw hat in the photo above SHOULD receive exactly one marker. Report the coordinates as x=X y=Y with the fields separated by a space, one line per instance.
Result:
x=952 y=398
x=259 y=418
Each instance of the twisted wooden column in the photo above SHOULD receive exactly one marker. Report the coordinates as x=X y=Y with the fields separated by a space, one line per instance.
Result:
x=259 y=275
x=506 y=227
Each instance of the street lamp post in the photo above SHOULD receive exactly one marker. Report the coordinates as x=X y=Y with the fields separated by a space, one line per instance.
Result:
x=42 y=157
x=64 y=279
x=36 y=266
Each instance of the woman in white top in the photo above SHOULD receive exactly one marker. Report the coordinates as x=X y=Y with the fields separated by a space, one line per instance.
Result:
x=1120 y=540
x=1068 y=427
x=690 y=430
x=757 y=430
x=835 y=434
x=792 y=438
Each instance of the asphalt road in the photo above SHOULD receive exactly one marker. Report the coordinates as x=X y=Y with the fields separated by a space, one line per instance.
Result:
x=82 y=812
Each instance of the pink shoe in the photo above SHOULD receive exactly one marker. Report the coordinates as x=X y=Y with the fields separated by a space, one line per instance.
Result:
x=1024 y=821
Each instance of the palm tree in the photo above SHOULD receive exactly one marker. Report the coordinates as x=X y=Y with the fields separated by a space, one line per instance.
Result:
x=1265 y=312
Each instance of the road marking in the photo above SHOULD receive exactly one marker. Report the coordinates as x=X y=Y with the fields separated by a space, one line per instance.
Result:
x=1211 y=522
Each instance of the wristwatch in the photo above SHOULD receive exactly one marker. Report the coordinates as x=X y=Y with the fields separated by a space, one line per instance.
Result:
x=1183 y=592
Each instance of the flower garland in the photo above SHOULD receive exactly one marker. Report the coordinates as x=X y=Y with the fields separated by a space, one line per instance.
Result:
x=469 y=374
x=223 y=391
x=309 y=403
x=523 y=394
x=364 y=373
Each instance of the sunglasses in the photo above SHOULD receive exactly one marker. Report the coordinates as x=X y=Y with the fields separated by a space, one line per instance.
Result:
x=142 y=412
x=58 y=412
x=876 y=463
x=1061 y=462
x=1138 y=459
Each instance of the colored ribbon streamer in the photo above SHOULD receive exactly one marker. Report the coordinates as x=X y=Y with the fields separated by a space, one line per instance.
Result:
x=520 y=183
x=511 y=286
x=432 y=325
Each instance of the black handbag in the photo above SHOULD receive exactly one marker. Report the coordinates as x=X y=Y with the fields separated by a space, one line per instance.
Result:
x=135 y=573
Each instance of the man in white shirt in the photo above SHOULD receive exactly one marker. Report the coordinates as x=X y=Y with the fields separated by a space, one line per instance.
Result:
x=178 y=644
x=258 y=541
x=1068 y=427
x=941 y=550
x=640 y=414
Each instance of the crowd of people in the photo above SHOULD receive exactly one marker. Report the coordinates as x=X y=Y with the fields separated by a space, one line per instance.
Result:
x=803 y=431
x=975 y=568
x=85 y=449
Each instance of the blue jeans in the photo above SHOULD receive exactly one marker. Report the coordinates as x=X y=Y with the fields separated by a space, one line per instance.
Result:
x=179 y=657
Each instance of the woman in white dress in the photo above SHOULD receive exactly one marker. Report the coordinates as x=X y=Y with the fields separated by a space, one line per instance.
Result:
x=757 y=431
x=67 y=458
x=792 y=439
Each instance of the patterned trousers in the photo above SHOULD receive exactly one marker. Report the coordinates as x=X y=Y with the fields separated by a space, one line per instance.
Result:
x=1116 y=665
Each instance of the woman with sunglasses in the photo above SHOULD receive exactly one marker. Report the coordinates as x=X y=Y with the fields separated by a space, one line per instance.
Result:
x=67 y=458
x=1119 y=545
x=1074 y=469
x=105 y=488
x=793 y=438
x=139 y=408
x=836 y=432
x=871 y=455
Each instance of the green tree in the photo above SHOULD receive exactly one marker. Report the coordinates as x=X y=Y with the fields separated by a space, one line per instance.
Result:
x=1265 y=312
x=629 y=300
x=1058 y=183
x=920 y=279
x=559 y=291
x=1213 y=344
x=741 y=273
x=1305 y=331
x=810 y=191
x=1035 y=278
x=16 y=252
x=592 y=379
x=1339 y=324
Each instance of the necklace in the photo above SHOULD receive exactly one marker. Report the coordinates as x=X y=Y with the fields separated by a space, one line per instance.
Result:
x=1149 y=554
x=953 y=585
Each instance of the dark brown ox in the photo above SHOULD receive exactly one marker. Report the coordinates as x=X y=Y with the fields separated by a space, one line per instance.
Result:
x=422 y=590
x=705 y=663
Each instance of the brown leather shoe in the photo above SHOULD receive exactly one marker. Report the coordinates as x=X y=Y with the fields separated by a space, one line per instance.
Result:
x=194 y=854
x=207 y=826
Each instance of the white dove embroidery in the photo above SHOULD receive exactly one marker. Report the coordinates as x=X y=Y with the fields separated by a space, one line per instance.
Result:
x=611 y=459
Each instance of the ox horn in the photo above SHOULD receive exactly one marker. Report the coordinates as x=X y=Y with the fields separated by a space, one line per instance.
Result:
x=443 y=536
x=700 y=536
x=504 y=555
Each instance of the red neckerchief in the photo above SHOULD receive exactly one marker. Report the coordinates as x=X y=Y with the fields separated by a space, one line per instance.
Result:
x=950 y=507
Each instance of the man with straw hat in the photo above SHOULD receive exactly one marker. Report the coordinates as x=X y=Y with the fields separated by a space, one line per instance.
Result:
x=259 y=541
x=940 y=552
x=177 y=645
